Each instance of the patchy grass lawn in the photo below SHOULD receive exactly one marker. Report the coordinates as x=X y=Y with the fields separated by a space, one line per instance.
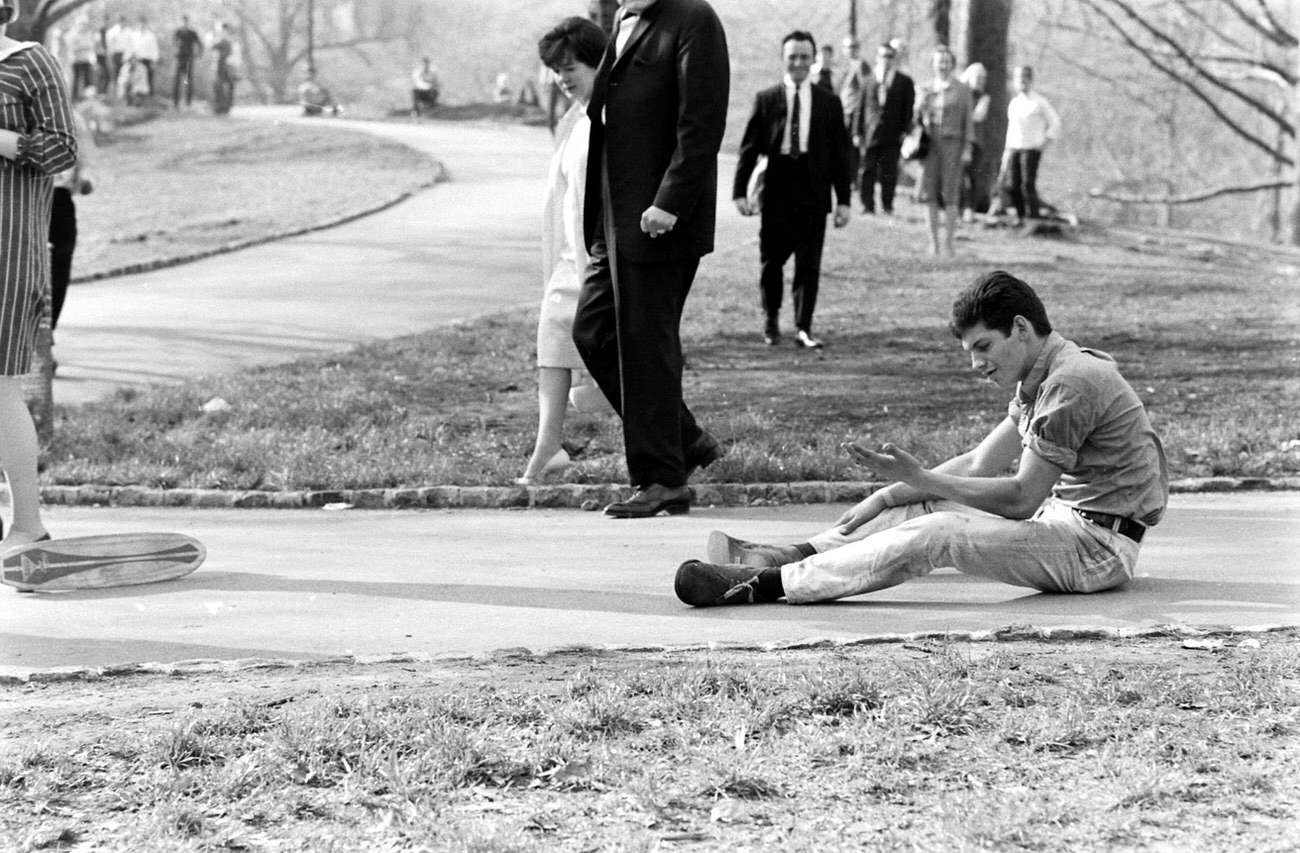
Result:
x=1140 y=745
x=1208 y=334
x=185 y=184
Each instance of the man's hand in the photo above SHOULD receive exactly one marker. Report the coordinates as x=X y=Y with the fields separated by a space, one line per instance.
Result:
x=842 y=213
x=655 y=221
x=745 y=208
x=860 y=515
x=890 y=462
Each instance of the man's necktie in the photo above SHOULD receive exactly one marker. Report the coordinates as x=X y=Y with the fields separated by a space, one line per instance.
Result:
x=795 y=149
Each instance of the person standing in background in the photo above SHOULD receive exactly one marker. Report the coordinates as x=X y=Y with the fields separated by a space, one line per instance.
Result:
x=117 y=40
x=1032 y=125
x=146 y=51
x=944 y=108
x=974 y=189
x=823 y=72
x=881 y=118
x=188 y=49
x=81 y=50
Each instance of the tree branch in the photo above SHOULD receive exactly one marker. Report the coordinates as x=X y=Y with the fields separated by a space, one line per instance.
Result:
x=1198 y=15
x=1182 y=54
x=1190 y=198
x=1277 y=35
x=1195 y=90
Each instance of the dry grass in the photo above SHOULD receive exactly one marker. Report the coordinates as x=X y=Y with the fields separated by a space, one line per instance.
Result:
x=190 y=183
x=1206 y=333
x=1143 y=745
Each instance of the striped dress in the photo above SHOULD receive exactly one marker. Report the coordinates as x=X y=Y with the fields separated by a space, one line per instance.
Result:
x=34 y=104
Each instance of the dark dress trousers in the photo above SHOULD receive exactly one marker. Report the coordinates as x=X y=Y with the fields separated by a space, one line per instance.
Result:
x=796 y=195
x=881 y=128
x=658 y=112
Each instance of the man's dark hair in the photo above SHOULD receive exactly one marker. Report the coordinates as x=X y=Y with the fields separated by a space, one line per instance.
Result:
x=995 y=299
x=799 y=35
x=574 y=37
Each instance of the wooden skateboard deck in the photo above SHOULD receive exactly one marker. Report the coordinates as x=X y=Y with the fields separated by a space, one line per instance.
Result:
x=97 y=562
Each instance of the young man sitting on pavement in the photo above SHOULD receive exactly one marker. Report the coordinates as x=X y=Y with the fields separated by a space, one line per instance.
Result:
x=1091 y=479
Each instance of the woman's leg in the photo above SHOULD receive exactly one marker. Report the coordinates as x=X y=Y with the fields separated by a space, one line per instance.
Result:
x=950 y=228
x=552 y=400
x=932 y=217
x=18 y=454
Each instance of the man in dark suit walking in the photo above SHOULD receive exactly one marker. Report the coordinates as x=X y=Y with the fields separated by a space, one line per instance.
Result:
x=799 y=127
x=658 y=111
x=881 y=119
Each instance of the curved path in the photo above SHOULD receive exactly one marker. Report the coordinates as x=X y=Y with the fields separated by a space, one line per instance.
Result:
x=463 y=248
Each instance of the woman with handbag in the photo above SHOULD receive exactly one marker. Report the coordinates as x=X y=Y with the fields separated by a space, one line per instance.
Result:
x=572 y=50
x=944 y=108
x=37 y=141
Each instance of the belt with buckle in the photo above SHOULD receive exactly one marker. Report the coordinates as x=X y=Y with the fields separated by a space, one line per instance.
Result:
x=1120 y=524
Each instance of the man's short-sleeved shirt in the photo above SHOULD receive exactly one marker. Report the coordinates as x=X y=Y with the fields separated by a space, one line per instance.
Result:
x=1075 y=410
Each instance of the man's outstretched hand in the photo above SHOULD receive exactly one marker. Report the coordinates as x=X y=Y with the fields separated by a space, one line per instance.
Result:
x=890 y=462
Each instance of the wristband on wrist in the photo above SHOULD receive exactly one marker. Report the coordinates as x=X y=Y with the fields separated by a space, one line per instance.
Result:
x=20 y=146
x=887 y=499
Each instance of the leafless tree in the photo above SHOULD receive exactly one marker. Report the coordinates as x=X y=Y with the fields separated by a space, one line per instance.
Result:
x=37 y=16
x=272 y=36
x=1244 y=68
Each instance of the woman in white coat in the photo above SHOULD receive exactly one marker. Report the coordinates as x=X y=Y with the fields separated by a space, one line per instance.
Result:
x=572 y=50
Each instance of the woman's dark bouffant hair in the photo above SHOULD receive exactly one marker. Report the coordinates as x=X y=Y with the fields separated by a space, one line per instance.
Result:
x=573 y=37
x=995 y=299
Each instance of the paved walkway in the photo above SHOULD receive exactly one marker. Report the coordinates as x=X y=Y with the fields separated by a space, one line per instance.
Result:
x=465 y=248
x=312 y=584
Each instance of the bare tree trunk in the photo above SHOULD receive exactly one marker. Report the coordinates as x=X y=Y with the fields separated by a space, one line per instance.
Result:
x=986 y=41
x=941 y=14
x=1295 y=206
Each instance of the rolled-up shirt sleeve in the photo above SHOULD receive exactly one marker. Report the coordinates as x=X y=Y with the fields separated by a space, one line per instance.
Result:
x=1062 y=418
x=49 y=145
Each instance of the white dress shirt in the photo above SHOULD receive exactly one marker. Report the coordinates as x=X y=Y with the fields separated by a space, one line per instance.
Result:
x=805 y=113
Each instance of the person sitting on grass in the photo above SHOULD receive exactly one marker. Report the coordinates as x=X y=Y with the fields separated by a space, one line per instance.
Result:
x=315 y=98
x=1091 y=479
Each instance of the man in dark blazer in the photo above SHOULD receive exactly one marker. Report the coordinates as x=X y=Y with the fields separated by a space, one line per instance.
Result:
x=881 y=119
x=658 y=111
x=799 y=127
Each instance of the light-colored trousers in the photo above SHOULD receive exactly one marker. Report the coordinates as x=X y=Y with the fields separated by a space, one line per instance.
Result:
x=1055 y=551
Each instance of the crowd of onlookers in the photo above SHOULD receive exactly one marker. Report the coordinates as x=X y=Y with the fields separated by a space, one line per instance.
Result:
x=883 y=107
x=120 y=61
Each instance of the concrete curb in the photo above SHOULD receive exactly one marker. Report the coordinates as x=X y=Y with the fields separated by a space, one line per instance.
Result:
x=440 y=175
x=560 y=496
x=1006 y=634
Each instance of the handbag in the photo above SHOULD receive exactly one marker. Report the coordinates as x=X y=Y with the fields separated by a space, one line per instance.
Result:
x=916 y=144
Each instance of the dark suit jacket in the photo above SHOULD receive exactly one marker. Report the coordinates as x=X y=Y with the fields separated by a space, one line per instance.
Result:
x=828 y=143
x=884 y=127
x=664 y=102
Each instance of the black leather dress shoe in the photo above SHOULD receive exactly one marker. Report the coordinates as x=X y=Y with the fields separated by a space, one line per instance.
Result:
x=651 y=500
x=702 y=584
x=702 y=453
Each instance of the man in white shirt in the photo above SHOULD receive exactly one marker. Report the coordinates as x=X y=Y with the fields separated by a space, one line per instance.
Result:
x=117 y=41
x=144 y=47
x=1031 y=125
